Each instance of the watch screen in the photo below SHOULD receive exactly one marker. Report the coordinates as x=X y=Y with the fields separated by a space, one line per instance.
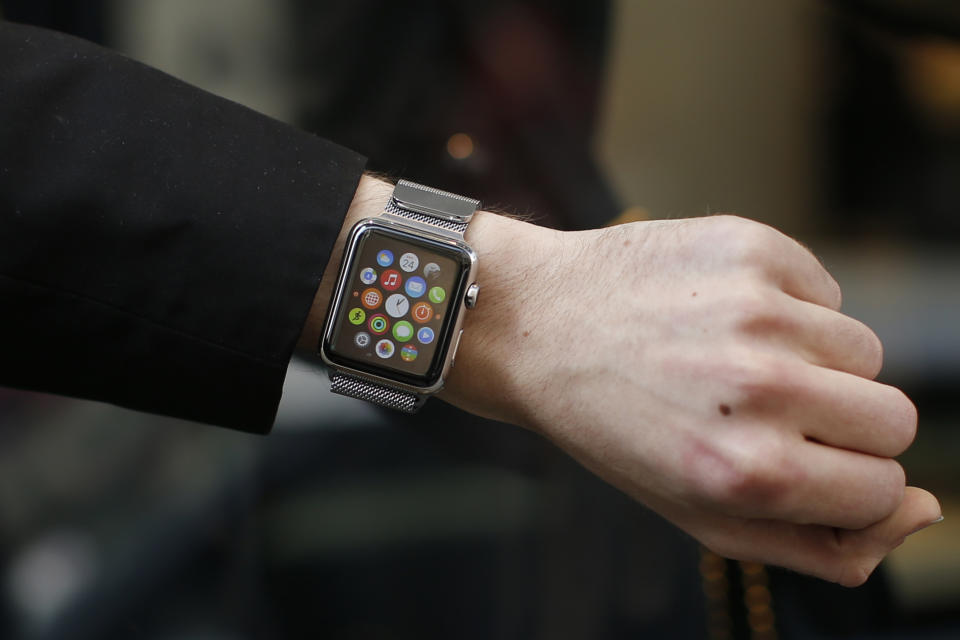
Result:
x=397 y=306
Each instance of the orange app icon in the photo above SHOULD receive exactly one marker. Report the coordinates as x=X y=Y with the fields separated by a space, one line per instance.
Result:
x=422 y=312
x=371 y=298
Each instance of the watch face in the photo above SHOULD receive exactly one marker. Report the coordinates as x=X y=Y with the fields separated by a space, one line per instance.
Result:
x=397 y=306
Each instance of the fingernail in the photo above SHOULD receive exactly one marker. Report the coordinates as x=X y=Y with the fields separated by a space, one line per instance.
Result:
x=929 y=524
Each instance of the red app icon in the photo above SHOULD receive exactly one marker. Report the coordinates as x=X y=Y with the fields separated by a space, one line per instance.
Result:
x=390 y=280
x=422 y=312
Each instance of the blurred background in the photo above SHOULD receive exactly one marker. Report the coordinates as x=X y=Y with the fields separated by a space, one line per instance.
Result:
x=837 y=121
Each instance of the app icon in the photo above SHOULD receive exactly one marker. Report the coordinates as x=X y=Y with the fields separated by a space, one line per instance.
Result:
x=415 y=286
x=403 y=331
x=397 y=305
x=390 y=280
x=431 y=270
x=368 y=276
x=371 y=298
x=385 y=258
x=379 y=324
x=362 y=339
x=422 y=312
x=408 y=353
x=437 y=295
x=409 y=262
x=425 y=335
x=385 y=349
x=357 y=315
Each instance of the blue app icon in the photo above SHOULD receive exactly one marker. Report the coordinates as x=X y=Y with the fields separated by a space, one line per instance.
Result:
x=425 y=335
x=416 y=286
x=385 y=258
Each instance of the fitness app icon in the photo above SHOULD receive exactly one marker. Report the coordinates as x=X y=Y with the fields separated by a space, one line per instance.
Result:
x=379 y=324
x=357 y=315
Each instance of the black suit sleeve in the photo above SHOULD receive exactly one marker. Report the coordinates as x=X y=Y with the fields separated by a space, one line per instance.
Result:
x=159 y=246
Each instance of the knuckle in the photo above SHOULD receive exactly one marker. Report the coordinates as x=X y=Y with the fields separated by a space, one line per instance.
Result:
x=757 y=381
x=756 y=313
x=751 y=479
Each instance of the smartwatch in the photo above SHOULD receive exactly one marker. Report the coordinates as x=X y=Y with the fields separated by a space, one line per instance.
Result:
x=396 y=316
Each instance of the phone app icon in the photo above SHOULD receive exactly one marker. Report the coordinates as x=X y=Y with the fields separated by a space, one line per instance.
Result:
x=397 y=305
x=425 y=335
x=371 y=298
x=415 y=287
x=362 y=339
x=385 y=349
x=357 y=315
x=390 y=280
x=368 y=276
x=385 y=258
x=409 y=262
x=408 y=353
x=403 y=331
x=431 y=270
x=422 y=312
x=379 y=324
x=437 y=295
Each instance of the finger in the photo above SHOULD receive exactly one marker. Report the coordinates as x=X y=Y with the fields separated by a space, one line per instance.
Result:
x=810 y=483
x=800 y=273
x=843 y=410
x=838 y=555
x=828 y=338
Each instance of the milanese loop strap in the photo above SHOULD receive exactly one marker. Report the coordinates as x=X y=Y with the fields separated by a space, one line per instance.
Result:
x=426 y=205
x=382 y=395
x=446 y=214
x=397 y=210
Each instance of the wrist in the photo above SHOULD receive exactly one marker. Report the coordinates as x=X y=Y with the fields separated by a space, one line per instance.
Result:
x=489 y=377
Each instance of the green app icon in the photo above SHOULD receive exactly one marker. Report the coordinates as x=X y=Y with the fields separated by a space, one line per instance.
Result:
x=357 y=315
x=437 y=295
x=403 y=331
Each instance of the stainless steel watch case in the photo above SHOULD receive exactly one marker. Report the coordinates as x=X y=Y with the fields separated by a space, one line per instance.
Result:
x=466 y=298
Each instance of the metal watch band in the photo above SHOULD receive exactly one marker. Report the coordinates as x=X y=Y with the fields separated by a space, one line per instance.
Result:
x=448 y=213
x=444 y=213
x=347 y=385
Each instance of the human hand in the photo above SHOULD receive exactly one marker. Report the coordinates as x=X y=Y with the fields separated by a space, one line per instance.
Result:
x=702 y=367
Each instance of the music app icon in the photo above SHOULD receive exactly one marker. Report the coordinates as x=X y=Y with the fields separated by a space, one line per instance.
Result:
x=390 y=280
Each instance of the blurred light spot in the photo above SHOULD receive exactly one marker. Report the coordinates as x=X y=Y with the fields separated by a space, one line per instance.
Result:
x=460 y=146
x=48 y=574
x=631 y=214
